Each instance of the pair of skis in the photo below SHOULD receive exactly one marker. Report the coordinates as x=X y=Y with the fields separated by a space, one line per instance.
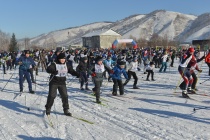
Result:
x=50 y=121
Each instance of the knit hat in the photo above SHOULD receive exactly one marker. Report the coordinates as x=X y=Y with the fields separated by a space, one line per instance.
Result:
x=99 y=58
x=26 y=51
x=151 y=63
x=121 y=63
x=61 y=56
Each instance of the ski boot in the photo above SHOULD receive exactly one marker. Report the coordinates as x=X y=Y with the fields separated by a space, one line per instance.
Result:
x=47 y=111
x=190 y=91
x=114 y=93
x=66 y=112
x=32 y=92
x=98 y=101
x=184 y=94
x=135 y=87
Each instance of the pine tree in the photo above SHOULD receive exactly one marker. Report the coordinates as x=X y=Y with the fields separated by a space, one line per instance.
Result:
x=13 y=44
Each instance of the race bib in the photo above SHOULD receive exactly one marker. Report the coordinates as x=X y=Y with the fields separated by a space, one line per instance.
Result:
x=99 y=68
x=62 y=70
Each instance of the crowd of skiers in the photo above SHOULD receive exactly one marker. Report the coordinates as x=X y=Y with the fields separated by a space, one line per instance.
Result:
x=97 y=63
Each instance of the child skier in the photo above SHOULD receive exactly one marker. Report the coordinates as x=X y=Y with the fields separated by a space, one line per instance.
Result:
x=59 y=70
x=116 y=77
x=132 y=67
x=149 y=70
x=82 y=68
x=97 y=76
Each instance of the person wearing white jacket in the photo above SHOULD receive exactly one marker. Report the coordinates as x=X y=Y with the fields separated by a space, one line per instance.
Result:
x=149 y=70
x=131 y=68
x=164 y=62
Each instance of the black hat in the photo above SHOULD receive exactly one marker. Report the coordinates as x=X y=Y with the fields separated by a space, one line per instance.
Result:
x=121 y=63
x=99 y=58
x=61 y=56
x=151 y=63
x=26 y=51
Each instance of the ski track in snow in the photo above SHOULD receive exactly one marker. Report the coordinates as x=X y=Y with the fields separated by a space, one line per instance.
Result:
x=152 y=112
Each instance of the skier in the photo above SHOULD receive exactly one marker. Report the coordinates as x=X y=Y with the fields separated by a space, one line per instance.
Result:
x=164 y=62
x=97 y=76
x=149 y=70
x=192 y=65
x=58 y=71
x=82 y=68
x=24 y=70
x=132 y=67
x=109 y=62
x=116 y=77
x=185 y=73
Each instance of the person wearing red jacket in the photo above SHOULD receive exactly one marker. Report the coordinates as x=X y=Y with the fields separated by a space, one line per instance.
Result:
x=192 y=65
x=185 y=73
x=207 y=60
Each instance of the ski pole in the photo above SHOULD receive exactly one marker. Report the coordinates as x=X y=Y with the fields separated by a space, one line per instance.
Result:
x=7 y=82
x=204 y=81
x=199 y=74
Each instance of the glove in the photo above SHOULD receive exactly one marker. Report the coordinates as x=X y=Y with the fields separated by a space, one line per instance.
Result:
x=34 y=67
x=200 y=71
x=111 y=71
x=20 y=63
x=93 y=74
x=55 y=72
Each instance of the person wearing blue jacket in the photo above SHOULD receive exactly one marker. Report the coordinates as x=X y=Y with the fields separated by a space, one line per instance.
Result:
x=109 y=63
x=116 y=73
x=25 y=63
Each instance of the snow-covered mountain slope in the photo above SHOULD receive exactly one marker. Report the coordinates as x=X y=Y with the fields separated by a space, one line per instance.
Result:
x=153 y=112
x=173 y=25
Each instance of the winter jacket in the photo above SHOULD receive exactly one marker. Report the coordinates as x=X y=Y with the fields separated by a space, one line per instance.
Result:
x=26 y=63
x=207 y=59
x=150 y=67
x=132 y=66
x=185 y=60
x=109 y=63
x=117 y=73
x=82 y=67
x=59 y=77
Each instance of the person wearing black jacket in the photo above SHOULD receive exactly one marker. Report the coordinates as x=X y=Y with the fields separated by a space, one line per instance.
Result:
x=58 y=71
x=82 y=68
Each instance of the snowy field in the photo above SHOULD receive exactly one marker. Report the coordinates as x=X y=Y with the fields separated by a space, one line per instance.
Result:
x=153 y=112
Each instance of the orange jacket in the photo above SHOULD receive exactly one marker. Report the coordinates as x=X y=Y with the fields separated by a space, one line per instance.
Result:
x=207 y=59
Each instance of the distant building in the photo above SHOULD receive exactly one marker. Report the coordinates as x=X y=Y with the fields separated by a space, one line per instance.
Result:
x=100 y=39
x=201 y=44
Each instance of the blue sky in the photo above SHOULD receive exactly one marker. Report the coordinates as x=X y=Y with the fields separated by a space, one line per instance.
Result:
x=30 y=18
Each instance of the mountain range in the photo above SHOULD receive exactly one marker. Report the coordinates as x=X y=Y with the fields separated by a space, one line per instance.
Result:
x=173 y=25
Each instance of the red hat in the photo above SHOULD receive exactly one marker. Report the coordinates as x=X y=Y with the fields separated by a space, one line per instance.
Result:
x=191 y=50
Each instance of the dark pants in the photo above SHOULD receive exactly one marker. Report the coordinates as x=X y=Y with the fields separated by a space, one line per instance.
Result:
x=4 y=69
x=172 y=62
x=26 y=74
x=131 y=73
x=115 y=87
x=150 y=72
x=84 y=79
x=97 y=88
x=52 y=94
